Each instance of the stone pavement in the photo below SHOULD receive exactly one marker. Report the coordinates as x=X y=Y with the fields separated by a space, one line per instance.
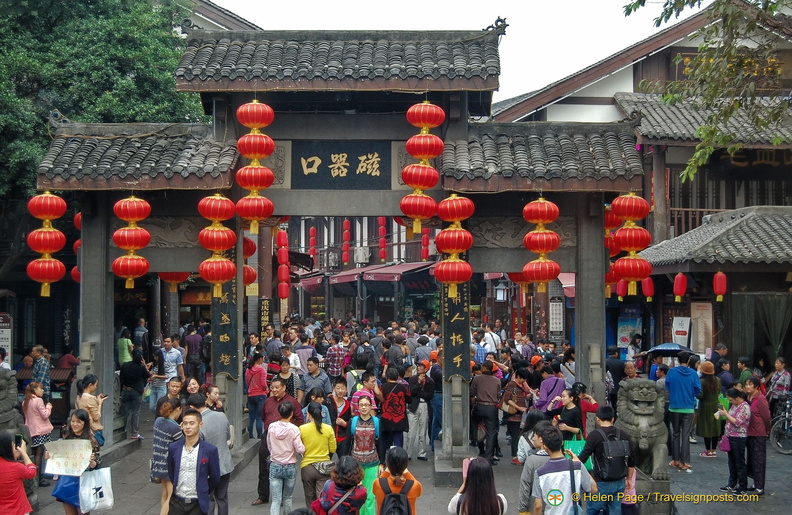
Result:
x=135 y=494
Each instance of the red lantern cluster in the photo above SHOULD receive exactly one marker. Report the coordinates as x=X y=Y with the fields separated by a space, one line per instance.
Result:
x=382 y=232
x=425 y=244
x=541 y=241
x=174 y=279
x=346 y=236
x=284 y=268
x=454 y=240
x=719 y=285
x=422 y=176
x=130 y=238
x=217 y=238
x=46 y=240
x=75 y=271
x=631 y=238
x=255 y=177
x=249 y=274
x=312 y=243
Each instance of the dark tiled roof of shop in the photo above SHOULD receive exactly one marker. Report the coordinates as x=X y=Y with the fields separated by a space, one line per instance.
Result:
x=139 y=156
x=332 y=60
x=761 y=234
x=679 y=122
x=543 y=150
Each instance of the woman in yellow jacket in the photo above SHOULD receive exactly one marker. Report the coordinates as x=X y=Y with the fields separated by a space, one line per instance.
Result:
x=319 y=440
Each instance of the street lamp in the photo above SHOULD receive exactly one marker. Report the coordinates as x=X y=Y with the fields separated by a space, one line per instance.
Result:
x=500 y=292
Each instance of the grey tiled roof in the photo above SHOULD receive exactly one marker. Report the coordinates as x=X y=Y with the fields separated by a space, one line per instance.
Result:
x=334 y=60
x=543 y=150
x=679 y=122
x=761 y=234
x=140 y=156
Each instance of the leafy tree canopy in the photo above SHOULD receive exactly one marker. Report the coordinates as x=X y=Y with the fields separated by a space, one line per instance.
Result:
x=736 y=69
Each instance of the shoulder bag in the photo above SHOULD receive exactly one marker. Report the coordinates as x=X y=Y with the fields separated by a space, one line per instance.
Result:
x=504 y=405
x=316 y=506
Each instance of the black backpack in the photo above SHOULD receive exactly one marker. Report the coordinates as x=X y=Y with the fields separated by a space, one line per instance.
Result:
x=615 y=453
x=395 y=504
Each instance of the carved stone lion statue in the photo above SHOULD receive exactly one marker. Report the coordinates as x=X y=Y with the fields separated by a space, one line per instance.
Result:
x=640 y=410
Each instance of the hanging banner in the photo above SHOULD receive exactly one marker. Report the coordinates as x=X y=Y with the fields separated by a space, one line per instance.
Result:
x=700 y=326
x=225 y=347
x=680 y=327
x=626 y=329
x=455 y=320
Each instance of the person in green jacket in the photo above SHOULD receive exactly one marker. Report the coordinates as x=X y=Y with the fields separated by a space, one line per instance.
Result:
x=744 y=366
x=125 y=347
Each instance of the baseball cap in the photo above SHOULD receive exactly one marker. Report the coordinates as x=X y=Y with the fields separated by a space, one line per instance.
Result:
x=535 y=360
x=426 y=364
x=434 y=355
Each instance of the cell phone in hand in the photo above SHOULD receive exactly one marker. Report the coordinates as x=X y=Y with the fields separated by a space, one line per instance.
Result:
x=18 y=440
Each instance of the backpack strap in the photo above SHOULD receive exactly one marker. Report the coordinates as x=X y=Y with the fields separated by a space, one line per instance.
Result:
x=385 y=486
x=407 y=485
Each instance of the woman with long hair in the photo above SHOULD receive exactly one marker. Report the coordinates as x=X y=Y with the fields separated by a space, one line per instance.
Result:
x=88 y=400
x=737 y=419
x=67 y=490
x=344 y=490
x=526 y=446
x=570 y=417
x=212 y=393
x=320 y=442
x=397 y=479
x=340 y=410
x=134 y=376
x=256 y=380
x=568 y=366
x=166 y=431
x=708 y=427
x=13 y=500
x=125 y=347
x=477 y=495
x=517 y=394
x=37 y=420
x=317 y=395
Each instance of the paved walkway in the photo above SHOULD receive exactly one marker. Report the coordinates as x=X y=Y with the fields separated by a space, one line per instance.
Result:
x=135 y=494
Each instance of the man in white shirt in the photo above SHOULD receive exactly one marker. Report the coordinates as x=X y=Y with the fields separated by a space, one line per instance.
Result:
x=193 y=468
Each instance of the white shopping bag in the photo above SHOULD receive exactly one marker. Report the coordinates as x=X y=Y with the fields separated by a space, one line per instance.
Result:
x=96 y=490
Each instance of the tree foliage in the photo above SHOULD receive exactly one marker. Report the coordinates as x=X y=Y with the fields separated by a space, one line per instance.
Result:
x=736 y=69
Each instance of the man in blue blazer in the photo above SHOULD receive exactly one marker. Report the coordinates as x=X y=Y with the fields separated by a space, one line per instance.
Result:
x=193 y=468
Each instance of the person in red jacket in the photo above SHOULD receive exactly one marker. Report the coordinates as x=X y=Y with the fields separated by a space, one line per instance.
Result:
x=758 y=429
x=13 y=500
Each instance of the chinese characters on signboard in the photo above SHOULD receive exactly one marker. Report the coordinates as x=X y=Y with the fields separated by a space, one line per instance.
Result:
x=341 y=165
x=225 y=348
x=266 y=314
x=455 y=319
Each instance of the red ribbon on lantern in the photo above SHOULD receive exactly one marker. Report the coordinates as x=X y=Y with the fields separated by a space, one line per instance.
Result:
x=217 y=269
x=454 y=240
x=46 y=241
x=541 y=241
x=131 y=238
x=719 y=285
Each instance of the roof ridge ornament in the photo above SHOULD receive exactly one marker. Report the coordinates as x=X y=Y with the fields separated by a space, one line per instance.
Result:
x=499 y=26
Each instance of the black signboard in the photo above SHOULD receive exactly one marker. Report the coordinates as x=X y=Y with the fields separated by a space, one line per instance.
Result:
x=225 y=348
x=455 y=320
x=266 y=315
x=341 y=165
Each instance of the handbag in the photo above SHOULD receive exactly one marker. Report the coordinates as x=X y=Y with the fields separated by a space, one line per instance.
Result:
x=504 y=405
x=316 y=506
x=324 y=467
x=576 y=446
x=96 y=490
x=146 y=393
x=724 y=444
x=67 y=489
x=99 y=436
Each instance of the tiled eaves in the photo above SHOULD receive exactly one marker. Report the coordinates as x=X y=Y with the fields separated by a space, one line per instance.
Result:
x=140 y=156
x=328 y=60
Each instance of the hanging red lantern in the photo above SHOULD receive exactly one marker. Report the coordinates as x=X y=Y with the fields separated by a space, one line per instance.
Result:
x=174 y=279
x=425 y=146
x=719 y=285
x=46 y=271
x=249 y=247
x=217 y=270
x=47 y=206
x=216 y=208
x=131 y=238
x=542 y=242
x=647 y=288
x=255 y=115
x=255 y=146
x=632 y=269
x=418 y=207
x=46 y=240
x=519 y=278
x=132 y=209
x=630 y=207
x=631 y=238
x=283 y=290
x=78 y=221
x=255 y=177
x=249 y=275
x=130 y=267
x=254 y=208
x=540 y=212
x=425 y=115
x=282 y=239
x=612 y=220
x=216 y=238
x=284 y=274
x=420 y=177
x=75 y=274
x=346 y=237
x=382 y=231
x=621 y=289
x=453 y=271
x=312 y=242
x=454 y=240
x=680 y=286
x=611 y=278
x=425 y=244
x=541 y=271
x=284 y=268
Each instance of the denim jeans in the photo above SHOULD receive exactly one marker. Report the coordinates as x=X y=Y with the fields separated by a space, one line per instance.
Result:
x=157 y=392
x=282 y=479
x=681 y=424
x=437 y=419
x=608 y=498
x=131 y=400
x=255 y=407
x=738 y=477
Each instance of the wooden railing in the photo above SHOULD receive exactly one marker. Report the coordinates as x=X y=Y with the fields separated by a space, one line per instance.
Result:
x=686 y=219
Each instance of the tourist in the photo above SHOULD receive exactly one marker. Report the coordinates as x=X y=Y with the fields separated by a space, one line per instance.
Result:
x=13 y=500
x=88 y=401
x=725 y=376
x=340 y=410
x=485 y=389
x=396 y=479
x=216 y=430
x=67 y=489
x=477 y=495
x=37 y=420
x=256 y=380
x=315 y=377
x=570 y=416
x=736 y=430
x=707 y=427
x=317 y=395
x=158 y=380
x=125 y=347
x=366 y=449
x=557 y=473
x=421 y=393
x=525 y=446
x=721 y=350
x=779 y=386
x=285 y=443
x=568 y=366
x=394 y=421
x=68 y=359
x=758 y=429
x=534 y=458
x=656 y=360
x=212 y=393
x=683 y=387
x=744 y=368
x=516 y=395
x=552 y=385
x=320 y=442
x=41 y=369
x=369 y=389
x=615 y=366
x=343 y=493
x=166 y=431
x=134 y=375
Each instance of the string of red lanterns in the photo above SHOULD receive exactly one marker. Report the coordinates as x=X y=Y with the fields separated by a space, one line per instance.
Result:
x=75 y=271
x=130 y=238
x=422 y=176
x=46 y=241
x=254 y=177
x=345 y=237
x=382 y=231
x=541 y=241
x=631 y=238
x=217 y=238
x=425 y=243
x=284 y=269
x=454 y=240
x=312 y=243
x=249 y=274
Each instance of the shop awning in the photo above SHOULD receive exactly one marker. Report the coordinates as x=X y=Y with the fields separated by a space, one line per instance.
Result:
x=349 y=276
x=488 y=276
x=567 y=280
x=307 y=282
x=393 y=273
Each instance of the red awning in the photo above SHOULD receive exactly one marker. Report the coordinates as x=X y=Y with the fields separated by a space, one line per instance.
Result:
x=567 y=280
x=348 y=276
x=310 y=281
x=394 y=273
x=488 y=276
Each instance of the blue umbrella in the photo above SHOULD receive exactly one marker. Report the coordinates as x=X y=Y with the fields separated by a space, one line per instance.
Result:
x=668 y=349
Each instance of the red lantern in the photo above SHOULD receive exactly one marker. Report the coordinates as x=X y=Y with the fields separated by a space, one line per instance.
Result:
x=47 y=206
x=255 y=208
x=612 y=221
x=284 y=274
x=249 y=247
x=425 y=115
x=255 y=115
x=255 y=178
x=425 y=244
x=541 y=271
x=455 y=208
x=519 y=278
x=424 y=146
x=632 y=238
x=283 y=255
x=346 y=237
x=255 y=146
x=647 y=287
x=540 y=212
x=630 y=207
x=621 y=289
x=418 y=207
x=75 y=274
x=632 y=269
x=249 y=275
x=612 y=246
x=312 y=242
x=216 y=208
x=719 y=285
x=78 y=222
x=420 y=176
x=453 y=271
x=383 y=242
x=284 y=269
x=131 y=237
x=217 y=270
x=77 y=245
x=173 y=279
x=611 y=278
x=46 y=240
x=283 y=290
x=453 y=241
x=541 y=241
x=680 y=286
x=130 y=267
x=46 y=271
x=406 y=224
x=217 y=238
x=132 y=209
x=282 y=239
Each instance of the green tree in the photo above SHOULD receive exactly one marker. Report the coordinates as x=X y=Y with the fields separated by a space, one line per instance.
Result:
x=105 y=61
x=736 y=69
